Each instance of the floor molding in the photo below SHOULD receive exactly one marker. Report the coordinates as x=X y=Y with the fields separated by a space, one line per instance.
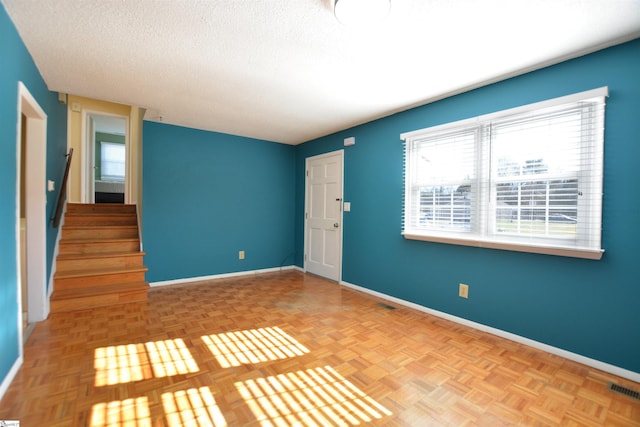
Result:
x=8 y=379
x=224 y=276
x=606 y=367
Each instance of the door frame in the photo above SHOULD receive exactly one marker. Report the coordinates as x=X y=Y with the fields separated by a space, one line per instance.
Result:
x=87 y=181
x=36 y=201
x=307 y=194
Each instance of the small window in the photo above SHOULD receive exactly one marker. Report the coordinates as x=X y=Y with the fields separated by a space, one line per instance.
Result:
x=527 y=179
x=112 y=161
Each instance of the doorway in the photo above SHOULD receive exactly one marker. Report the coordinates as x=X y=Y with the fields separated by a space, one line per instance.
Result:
x=31 y=218
x=106 y=149
x=323 y=215
x=22 y=155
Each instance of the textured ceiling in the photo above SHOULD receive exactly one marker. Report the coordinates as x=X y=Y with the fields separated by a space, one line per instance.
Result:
x=288 y=71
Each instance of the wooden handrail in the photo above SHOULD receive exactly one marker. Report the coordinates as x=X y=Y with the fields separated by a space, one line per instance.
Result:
x=63 y=190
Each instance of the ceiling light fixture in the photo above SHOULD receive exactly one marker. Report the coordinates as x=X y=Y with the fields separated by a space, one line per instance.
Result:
x=361 y=12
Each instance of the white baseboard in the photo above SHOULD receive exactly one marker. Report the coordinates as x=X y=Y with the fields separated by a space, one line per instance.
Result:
x=54 y=263
x=223 y=276
x=612 y=369
x=10 y=376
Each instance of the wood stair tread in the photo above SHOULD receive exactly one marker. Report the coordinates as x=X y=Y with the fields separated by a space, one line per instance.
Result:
x=99 y=290
x=89 y=272
x=100 y=207
x=66 y=257
x=93 y=227
x=98 y=240
x=106 y=213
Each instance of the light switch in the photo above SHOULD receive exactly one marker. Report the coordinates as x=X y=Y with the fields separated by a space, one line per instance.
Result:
x=347 y=206
x=51 y=185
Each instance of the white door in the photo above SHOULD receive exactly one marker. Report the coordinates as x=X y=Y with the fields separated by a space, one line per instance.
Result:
x=91 y=160
x=114 y=126
x=323 y=215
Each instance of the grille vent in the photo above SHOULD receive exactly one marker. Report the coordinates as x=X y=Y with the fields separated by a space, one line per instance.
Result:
x=624 y=390
x=387 y=306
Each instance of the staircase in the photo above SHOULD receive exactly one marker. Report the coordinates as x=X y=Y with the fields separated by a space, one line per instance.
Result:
x=99 y=261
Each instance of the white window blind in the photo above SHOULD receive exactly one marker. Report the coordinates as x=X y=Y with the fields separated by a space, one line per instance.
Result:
x=112 y=161
x=527 y=179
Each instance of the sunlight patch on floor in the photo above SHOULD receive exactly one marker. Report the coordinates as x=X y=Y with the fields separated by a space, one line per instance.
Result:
x=193 y=407
x=136 y=362
x=170 y=357
x=121 y=364
x=253 y=346
x=129 y=412
x=319 y=396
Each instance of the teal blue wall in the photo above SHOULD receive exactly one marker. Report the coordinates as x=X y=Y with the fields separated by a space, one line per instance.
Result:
x=17 y=65
x=588 y=307
x=209 y=195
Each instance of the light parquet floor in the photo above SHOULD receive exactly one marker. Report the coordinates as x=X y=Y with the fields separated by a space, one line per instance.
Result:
x=293 y=349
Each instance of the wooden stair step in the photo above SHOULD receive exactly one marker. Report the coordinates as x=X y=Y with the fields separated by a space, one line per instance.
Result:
x=106 y=246
x=92 y=232
x=88 y=272
x=71 y=262
x=100 y=219
x=99 y=207
x=98 y=296
x=98 y=277
x=89 y=290
x=98 y=256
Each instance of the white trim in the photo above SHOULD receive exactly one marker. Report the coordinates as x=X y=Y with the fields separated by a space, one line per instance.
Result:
x=588 y=94
x=56 y=251
x=88 y=156
x=612 y=369
x=36 y=210
x=8 y=379
x=223 y=276
x=586 y=253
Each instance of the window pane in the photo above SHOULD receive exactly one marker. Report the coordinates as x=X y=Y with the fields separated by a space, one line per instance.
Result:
x=540 y=208
x=546 y=144
x=112 y=161
x=447 y=208
x=444 y=166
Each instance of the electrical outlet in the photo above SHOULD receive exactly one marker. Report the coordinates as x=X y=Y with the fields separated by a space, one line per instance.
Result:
x=463 y=291
x=241 y=255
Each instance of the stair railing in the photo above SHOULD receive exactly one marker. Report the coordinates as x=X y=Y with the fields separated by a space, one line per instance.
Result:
x=63 y=190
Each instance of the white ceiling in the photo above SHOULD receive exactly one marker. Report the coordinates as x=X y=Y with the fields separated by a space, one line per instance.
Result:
x=288 y=71
x=109 y=124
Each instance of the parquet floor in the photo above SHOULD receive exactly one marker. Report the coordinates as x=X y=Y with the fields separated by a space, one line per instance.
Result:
x=293 y=349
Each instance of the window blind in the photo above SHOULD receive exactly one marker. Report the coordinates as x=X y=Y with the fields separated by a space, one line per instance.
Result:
x=528 y=178
x=112 y=161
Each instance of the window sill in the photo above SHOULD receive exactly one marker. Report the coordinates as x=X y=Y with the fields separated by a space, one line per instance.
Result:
x=585 y=253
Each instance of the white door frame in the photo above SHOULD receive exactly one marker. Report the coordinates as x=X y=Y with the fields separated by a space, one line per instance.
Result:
x=87 y=186
x=306 y=208
x=36 y=201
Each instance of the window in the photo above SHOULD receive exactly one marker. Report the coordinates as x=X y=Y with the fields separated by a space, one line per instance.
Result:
x=526 y=179
x=112 y=161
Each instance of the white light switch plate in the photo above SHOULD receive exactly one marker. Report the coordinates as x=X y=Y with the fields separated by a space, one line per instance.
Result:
x=347 y=206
